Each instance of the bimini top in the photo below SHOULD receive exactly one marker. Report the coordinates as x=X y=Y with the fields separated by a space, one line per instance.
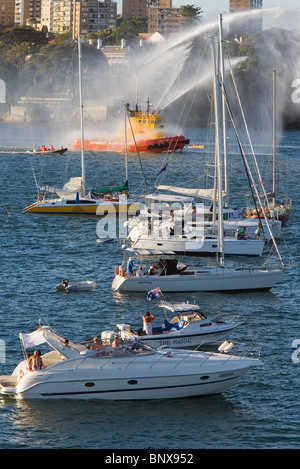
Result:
x=45 y=334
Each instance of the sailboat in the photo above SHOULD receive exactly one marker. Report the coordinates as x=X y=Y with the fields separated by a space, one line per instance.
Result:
x=175 y=233
x=72 y=198
x=219 y=278
x=274 y=210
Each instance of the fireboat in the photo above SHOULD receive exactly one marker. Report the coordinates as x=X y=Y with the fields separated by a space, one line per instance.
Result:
x=145 y=135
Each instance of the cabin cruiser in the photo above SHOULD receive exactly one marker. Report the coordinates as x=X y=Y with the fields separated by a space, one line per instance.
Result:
x=130 y=372
x=189 y=327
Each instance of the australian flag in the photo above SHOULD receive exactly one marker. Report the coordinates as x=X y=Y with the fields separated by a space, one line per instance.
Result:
x=152 y=294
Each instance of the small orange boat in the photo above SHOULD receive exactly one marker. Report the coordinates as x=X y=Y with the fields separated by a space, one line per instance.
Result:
x=144 y=135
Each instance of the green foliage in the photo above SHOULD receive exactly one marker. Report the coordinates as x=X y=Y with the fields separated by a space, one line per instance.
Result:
x=190 y=13
x=130 y=29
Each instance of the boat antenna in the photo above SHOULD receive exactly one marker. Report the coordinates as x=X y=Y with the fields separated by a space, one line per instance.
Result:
x=81 y=116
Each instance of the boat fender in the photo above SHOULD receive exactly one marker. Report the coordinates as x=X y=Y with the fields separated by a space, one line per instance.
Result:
x=121 y=271
x=149 y=147
x=116 y=270
x=155 y=145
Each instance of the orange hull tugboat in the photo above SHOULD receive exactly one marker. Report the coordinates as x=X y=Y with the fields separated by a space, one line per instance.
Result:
x=145 y=135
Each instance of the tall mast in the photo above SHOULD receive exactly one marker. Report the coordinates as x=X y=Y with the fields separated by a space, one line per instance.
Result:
x=218 y=153
x=274 y=131
x=224 y=121
x=126 y=164
x=81 y=116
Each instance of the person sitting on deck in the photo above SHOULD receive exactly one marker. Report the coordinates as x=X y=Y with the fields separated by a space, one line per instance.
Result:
x=36 y=361
x=115 y=342
x=140 y=272
x=96 y=345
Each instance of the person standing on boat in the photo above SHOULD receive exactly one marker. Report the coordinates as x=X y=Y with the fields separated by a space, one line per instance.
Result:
x=129 y=267
x=147 y=323
x=235 y=213
x=257 y=231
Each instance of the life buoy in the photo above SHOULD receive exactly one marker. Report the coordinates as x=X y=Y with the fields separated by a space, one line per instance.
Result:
x=116 y=270
x=121 y=272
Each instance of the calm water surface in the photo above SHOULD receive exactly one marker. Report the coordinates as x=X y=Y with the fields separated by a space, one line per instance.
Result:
x=261 y=411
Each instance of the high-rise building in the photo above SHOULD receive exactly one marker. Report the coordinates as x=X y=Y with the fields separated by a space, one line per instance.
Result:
x=242 y=5
x=140 y=8
x=249 y=25
x=7 y=12
x=163 y=19
x=61 y=16
x=27 y=12
x=91 y=16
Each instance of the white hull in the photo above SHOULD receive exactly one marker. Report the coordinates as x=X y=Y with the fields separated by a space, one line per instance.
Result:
x=185 y=339
x=129 y=379
x=124 y=373
x=196 y=247
x=201 y=280
x=188 y=327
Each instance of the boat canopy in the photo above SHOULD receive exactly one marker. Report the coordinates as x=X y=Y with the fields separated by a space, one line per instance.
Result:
x=45 y=334
x=71 y=188
x=207 y=194
x=104 y=190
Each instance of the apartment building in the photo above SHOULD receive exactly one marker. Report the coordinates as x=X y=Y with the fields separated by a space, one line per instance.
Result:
x=251 y=24
x=140 y=8
x=164 y=19
x=7 y=8
x=90 y=16
x=61 y=16
x=27 y=12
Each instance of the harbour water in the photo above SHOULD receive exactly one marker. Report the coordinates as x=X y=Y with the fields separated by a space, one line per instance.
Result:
x=261 y=411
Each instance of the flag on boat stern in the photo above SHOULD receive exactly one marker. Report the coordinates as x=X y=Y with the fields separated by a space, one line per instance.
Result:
x=152 y=294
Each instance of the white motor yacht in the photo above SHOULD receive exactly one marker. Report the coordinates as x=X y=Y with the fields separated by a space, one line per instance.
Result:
x=125 y=373
x=189 y=327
